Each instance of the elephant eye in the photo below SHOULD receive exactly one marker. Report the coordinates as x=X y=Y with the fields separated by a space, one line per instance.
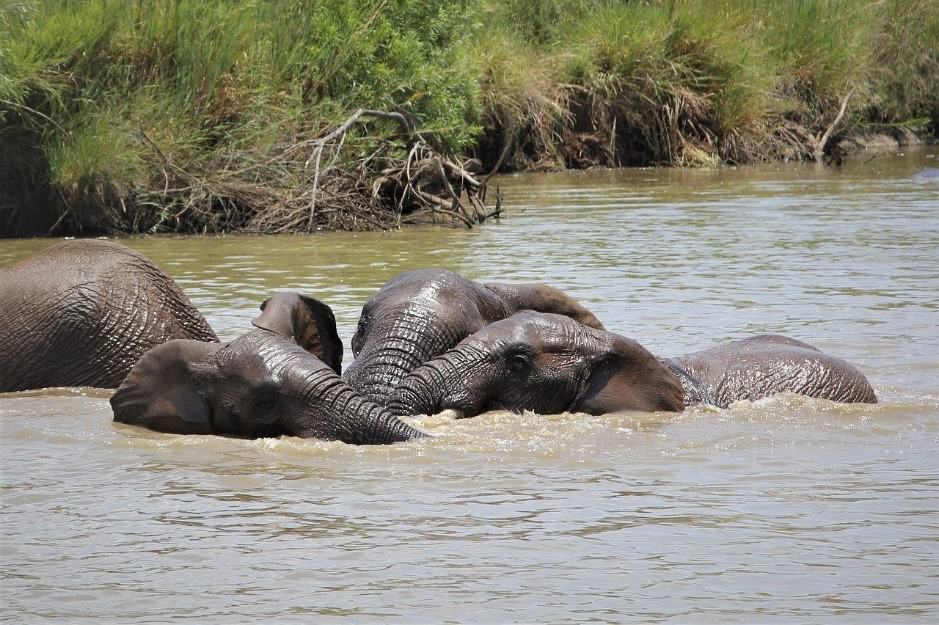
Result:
x=518 y=362
x=265 y=397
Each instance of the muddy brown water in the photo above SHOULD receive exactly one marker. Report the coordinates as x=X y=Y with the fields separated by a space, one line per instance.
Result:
x=787 y=510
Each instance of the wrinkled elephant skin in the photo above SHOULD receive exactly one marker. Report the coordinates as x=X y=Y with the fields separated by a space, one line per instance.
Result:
x=541 y=362
x=550 y=364
x=270 y=382
x=81 y=313
x=421 y=314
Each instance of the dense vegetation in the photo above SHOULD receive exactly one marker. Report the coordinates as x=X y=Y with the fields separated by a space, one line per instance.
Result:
x=153 y=115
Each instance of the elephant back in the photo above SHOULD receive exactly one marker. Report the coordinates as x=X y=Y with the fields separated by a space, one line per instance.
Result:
x=763 y=365
x=82 y=312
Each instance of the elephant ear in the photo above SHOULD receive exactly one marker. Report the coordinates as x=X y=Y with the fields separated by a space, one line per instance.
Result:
x=542 y=298
x=307 y=321
x=629 y=377
x=164 y=391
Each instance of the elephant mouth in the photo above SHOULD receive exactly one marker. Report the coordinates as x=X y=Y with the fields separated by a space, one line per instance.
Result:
x=464 y=409
x=270 y=431
x=467 y=409
x=501 y=406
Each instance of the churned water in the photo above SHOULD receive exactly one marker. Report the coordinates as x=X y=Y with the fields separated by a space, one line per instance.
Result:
x=787 y=510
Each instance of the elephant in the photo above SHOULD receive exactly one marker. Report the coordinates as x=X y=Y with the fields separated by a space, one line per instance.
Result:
x=281 y=378
x=551 y=364
x=421 y=314
x=80 y=313
x=759 y=366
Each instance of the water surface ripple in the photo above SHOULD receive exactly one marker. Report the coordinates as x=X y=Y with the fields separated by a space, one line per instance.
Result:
x=786 y=510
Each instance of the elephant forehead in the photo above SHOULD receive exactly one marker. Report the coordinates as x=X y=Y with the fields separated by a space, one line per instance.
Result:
x=433 y=291
x=430 y=289
x=423 y=285
x=548 y=332
x=263 y=356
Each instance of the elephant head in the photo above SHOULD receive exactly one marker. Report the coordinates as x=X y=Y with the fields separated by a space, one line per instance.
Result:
x=542 y=362
x=272 y=381
x=421 y=314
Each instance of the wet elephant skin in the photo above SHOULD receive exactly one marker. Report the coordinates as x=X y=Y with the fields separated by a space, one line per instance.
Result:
x=270 y=382
x=551 y=364
x=82 y=312
x=420 y=314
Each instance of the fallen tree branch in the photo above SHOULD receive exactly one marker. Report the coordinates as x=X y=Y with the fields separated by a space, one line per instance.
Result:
x=446 y=184
x=821 y=142
x=346 y=125
x=461 y=171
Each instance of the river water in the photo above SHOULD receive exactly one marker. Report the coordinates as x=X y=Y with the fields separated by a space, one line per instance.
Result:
x=787 y=510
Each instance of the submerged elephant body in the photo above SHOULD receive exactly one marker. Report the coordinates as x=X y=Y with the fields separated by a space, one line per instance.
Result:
x=763 y=365
x=82 y=312
x=272 y=381
x=421 y=314
x=551 y=364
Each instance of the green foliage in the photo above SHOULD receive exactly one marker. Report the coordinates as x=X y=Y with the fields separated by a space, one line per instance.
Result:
x=906 y=71
x=99 y=97
x=822 y=48
x=380 y=54
x=745 y=80
x=678 y=74
x=114 y=87
x=524 y=104
x=538 y=22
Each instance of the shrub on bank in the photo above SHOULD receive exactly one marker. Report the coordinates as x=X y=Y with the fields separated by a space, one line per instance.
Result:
x=687 y=82
x=199 y=114
x=188 y=114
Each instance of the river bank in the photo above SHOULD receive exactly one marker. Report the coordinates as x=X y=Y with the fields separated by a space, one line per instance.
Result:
x=189 y=116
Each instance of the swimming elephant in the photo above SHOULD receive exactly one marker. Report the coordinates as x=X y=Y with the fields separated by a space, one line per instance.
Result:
x=82 y=312
x=766 y=364
x=421 y=314
x=272 y=381
x=550 y=364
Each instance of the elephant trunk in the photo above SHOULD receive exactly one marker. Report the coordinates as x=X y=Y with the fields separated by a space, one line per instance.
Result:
x=376 y=374
x=387 y=428
x=350 y=417
x=393 y=353
x=449 y=382
x=417 y=395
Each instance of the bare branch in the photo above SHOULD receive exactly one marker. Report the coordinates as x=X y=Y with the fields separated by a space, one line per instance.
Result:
x=820 y=144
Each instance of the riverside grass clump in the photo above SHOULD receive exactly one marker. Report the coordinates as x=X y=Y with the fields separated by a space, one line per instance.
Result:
x=701 y=82
x=210 y=115
x=215 y=115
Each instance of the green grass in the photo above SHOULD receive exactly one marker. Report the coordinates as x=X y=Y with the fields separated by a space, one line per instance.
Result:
x=117 y=95
x=108 y=105
x=677 y=80
x=692 y=82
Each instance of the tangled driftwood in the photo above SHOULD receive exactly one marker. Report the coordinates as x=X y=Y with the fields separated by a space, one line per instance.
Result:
x=428 y=186
x=321 y=184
